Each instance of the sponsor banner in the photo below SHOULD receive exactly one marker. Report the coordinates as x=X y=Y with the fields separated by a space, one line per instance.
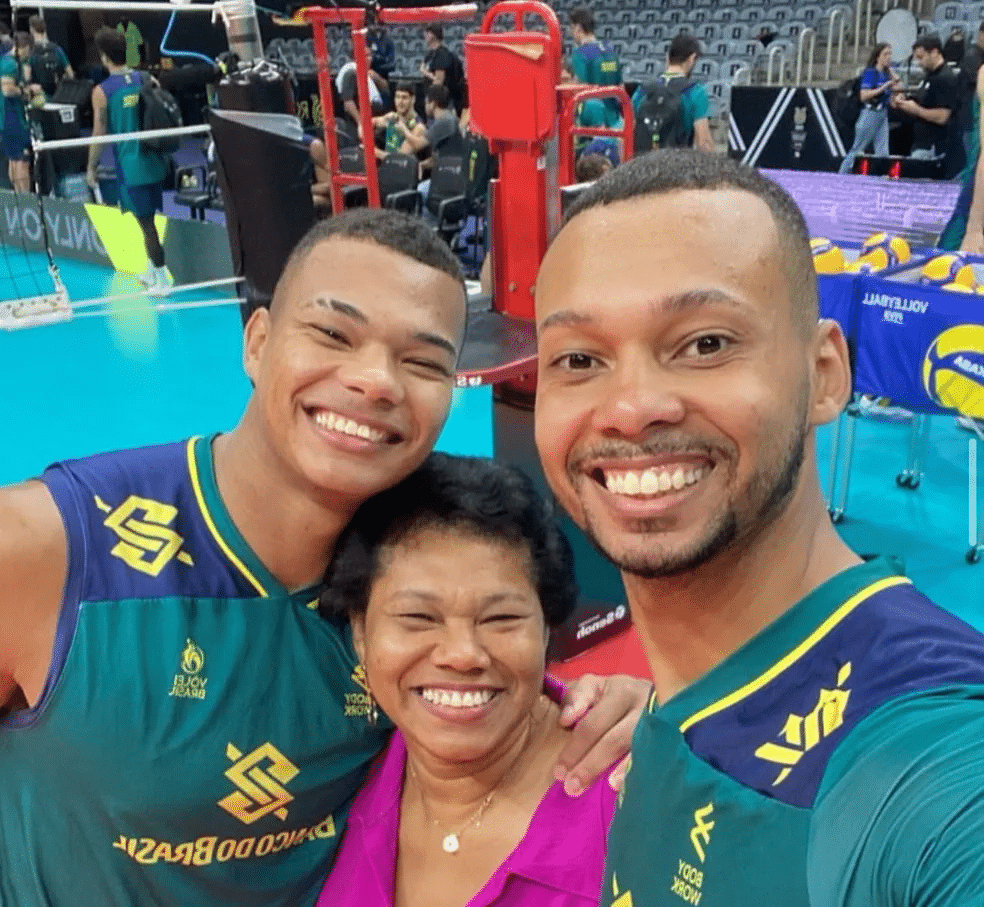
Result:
x=920 y=346
x=103 y=235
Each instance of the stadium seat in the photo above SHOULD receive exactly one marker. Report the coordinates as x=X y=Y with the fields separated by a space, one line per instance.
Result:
x=949 y=12
x=706 y=70
x=730 y=67
x=398 y=183
x=736 y=31
x=722 y=14
x=781 y=14
x=791 y=30
x=708 y=32
x=718 y=49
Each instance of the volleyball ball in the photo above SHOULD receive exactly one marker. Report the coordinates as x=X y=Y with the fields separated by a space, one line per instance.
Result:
x=953 y=369
x=827 y=258
x=948 y=268
x=860 y=267
x=955 y=287
x=894 y=249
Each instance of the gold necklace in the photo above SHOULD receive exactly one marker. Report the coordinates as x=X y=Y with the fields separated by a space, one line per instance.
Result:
x=451 y=842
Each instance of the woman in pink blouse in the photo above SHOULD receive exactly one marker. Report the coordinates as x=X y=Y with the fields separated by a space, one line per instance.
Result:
x=451 y=604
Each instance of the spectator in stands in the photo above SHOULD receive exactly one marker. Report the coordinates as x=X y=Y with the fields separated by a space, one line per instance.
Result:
x=402 y=124
x=442 y=66
x=967 y=79
x=594 y=63
x=934 y=102
x=383 y=51
x=953 y=50
x=443 y=136
x=139 y=173
x=695 y=106
x=135 y=47
x=6 y=40
x=16 y=139
x=766 y=35
x=48 y=62
x=590 y=167
x=877 y=82
x=348 y=90
x=593 y=112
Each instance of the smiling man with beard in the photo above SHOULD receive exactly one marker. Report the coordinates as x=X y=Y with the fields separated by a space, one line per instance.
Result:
x=812 y=737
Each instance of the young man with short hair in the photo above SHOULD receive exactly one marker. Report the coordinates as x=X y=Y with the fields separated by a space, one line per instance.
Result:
x=404 y=129
x=813 y=736
x=935 y=101
x=171 y=700
x=594 y=62
x=692 y=128
x=48 y=62
x=442 y=66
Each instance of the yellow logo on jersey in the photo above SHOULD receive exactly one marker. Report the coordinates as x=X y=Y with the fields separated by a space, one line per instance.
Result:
x=260 y=789
x=702 y=829
x=192 y=659
x=358 y=705
x=801 y=733
x=189 y=683
x=623 y=900
x=146 y=541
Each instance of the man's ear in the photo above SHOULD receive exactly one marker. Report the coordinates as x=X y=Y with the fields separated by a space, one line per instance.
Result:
x=831 y=373
x=255 y=336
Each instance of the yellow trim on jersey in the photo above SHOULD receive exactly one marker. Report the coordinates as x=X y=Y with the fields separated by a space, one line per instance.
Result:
x=787 y=660
x=221 y=542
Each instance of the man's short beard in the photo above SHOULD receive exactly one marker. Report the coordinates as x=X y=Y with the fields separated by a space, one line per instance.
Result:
x=727 y=530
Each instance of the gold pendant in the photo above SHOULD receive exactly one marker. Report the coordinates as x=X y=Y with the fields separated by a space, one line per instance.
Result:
x=450 y=844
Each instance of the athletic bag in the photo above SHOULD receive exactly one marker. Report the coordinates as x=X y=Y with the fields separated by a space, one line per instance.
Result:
x=847 y=102
x=159 y=110
x=659 y=121
x=46 y=68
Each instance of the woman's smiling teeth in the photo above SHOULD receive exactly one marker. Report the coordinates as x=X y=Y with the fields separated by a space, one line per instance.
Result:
x=455 y=698
x=652 y=481
x=346 y=426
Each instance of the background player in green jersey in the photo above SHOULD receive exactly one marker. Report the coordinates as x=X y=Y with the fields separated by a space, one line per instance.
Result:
x=814 y=731
x=353 y=368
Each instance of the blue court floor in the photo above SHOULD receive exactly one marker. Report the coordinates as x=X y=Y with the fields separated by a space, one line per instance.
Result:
x=125 y=375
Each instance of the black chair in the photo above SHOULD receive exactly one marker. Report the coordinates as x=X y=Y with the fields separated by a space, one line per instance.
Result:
x=447 y=200
x=191 y=190
x=398 y=183
x=352 y=161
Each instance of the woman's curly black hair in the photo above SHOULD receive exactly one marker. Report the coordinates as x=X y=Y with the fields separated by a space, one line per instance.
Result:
x=472 y=496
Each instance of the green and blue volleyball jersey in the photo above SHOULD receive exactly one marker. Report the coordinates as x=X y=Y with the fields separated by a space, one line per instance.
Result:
x=595 y=63
x=134 y=165
x=10 y=68
x=789 y=773
x=202 y=732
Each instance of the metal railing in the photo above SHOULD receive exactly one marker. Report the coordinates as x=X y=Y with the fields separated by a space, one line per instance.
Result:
x=743 y=70
x=836 y=17
x=811 y=34
x=777 y=50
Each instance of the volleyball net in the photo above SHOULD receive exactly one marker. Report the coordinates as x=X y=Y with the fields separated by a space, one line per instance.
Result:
x=36 y=224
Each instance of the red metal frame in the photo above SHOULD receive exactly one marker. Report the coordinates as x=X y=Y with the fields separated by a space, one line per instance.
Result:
x=570 y=97
x=319 y=17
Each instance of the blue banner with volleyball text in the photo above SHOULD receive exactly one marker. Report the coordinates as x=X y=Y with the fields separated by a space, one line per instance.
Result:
x=920 y=346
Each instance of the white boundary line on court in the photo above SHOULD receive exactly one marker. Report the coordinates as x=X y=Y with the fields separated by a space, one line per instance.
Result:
x=177 y=288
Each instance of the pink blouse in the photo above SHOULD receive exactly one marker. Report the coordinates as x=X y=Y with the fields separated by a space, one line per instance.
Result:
x=558 y=863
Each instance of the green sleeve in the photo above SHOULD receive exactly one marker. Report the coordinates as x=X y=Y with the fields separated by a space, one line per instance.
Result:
x=899 y=817
x=8 y=67
x=701 y=102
